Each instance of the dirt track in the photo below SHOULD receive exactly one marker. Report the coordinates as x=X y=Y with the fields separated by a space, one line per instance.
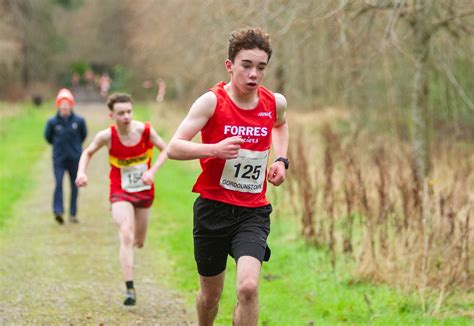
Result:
x=70 y=274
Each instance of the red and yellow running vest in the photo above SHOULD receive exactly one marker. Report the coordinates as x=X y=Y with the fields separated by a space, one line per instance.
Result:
x=240 y=181
x=127 y=163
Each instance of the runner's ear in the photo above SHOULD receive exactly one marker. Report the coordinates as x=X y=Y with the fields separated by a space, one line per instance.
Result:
x=228 y=66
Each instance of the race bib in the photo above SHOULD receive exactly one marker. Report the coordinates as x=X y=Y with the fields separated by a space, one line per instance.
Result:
x=245 y=173
x=132 y=178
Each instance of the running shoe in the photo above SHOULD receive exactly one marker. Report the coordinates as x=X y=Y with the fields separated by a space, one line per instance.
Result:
x=59 y=219
x=130 y=297
x=73 y=219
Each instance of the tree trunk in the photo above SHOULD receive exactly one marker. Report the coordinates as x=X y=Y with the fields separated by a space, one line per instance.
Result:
x=280 y=79
x=25 y=70
x=420 y=111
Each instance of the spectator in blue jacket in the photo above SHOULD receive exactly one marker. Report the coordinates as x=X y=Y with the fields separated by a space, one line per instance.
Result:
x=66 y=131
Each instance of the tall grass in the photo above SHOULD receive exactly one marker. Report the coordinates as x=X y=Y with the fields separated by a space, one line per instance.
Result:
x=373 y=209
x=22 y=142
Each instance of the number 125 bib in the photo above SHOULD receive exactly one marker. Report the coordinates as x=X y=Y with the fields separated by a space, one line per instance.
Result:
x=245 y=173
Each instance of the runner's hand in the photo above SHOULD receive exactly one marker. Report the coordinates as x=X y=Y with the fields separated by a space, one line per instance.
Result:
x=148 y=177
x=228 y=148
x=276 y=174
x=81 y=180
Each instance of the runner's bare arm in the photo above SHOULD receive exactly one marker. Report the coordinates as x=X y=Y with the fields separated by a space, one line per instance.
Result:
x=158 y=142
x=182 y=148
x=280 y=138
x=101 y=139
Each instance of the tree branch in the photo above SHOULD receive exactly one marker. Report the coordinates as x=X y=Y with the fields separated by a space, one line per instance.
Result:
x=400 y=7
x=446 y=20
x=455 y=83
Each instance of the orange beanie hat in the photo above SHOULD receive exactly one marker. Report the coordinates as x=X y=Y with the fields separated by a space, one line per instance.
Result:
x=65 y=94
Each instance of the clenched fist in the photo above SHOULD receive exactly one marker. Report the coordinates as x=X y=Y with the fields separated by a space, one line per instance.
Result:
x=228 y=148
x=81 y=180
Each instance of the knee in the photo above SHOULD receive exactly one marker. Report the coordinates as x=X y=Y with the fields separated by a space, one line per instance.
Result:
x=127 y=236
x=210 y=299
x=247 y=290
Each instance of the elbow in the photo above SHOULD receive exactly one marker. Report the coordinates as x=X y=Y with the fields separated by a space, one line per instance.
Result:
x=171 y=152
x=174 y=151
x=86 y=154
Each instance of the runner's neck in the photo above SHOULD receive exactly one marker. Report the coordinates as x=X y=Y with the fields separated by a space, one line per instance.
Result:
x=243 y=101
x=124 y=130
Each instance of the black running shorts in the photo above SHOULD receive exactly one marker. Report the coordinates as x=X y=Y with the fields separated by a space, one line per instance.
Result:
x=222 y=229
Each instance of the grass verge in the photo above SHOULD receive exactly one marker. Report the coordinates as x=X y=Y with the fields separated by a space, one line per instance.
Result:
x=22 y=142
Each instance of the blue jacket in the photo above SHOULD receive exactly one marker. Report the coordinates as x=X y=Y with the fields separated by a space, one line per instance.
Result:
x=66 y=135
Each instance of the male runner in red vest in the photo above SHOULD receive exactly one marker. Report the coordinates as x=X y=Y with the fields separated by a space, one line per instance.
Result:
x=130 y=146
x=238 y=121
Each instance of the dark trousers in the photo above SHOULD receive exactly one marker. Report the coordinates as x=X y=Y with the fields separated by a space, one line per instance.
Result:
x=59 y=168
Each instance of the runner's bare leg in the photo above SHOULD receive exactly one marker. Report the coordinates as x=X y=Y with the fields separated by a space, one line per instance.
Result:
x=207 y=299
x=248 y=273
x=141 y=225
x=124 y=217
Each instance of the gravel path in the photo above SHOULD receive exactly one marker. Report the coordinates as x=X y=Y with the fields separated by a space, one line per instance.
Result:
x=70 y=274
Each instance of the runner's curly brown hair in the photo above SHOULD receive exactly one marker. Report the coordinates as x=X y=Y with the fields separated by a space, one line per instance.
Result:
x=118 y=98
x=248 y=39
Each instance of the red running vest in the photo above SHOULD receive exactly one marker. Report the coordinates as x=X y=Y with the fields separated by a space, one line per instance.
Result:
x=241 y=181
x=127 y=163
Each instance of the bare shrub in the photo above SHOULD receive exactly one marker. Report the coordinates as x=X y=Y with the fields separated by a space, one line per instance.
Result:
x=304 y=183
x=412 y=233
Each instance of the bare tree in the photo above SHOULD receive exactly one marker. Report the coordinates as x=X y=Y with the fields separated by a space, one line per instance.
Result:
x=30 y=26
x=425 y=18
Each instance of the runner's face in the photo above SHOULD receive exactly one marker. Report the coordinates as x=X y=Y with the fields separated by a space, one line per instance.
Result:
x=248 y=69
x=64 y=108
x=122 y=113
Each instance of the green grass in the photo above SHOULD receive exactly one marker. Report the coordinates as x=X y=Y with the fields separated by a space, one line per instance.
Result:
x=298 y=285
x=22 y=142
x=141 y=112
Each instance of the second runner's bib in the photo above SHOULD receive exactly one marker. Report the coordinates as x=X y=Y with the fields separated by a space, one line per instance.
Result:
x=132 y=178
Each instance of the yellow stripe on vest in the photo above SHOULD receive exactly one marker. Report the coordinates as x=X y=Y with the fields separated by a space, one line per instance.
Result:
x=130 y=161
